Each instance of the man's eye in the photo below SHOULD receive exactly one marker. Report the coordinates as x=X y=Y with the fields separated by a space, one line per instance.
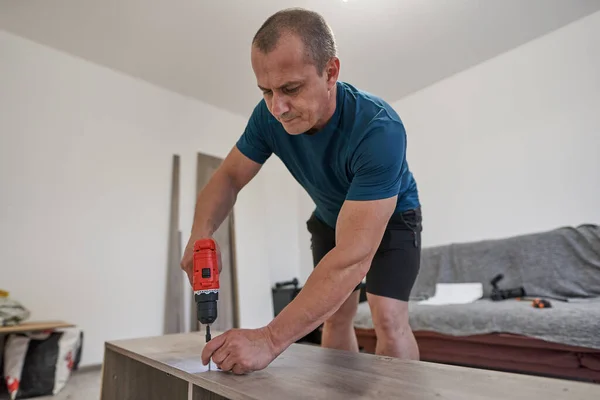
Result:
x=292 y=90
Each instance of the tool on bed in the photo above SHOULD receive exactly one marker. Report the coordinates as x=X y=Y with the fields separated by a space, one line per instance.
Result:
x=541 y=303
x=537 y=302
x=515 y=293
x=206 y=282
x=503 y=294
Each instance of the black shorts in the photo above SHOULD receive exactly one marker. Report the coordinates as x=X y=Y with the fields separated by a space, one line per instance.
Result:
x=396 y=263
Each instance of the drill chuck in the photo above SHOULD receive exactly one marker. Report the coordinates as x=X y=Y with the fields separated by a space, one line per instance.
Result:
x=206 y=304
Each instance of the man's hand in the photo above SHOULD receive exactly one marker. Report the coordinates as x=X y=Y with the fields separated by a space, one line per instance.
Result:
x=241 y=350
x=187 y=261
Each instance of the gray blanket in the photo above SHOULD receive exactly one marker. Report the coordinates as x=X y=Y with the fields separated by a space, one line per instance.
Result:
x=562 y=264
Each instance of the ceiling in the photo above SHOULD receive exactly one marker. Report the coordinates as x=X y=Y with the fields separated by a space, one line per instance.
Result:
x=201 y=48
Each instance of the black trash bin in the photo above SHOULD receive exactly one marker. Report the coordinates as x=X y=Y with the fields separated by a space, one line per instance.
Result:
x=283 y=293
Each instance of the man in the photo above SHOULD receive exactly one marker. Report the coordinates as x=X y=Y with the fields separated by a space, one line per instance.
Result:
x=347 y=148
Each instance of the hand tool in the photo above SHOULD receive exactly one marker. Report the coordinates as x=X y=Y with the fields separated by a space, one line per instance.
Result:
x=206 y=282
x=536 y=302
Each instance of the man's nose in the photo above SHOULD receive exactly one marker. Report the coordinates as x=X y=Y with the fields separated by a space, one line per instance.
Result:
x=280 y=105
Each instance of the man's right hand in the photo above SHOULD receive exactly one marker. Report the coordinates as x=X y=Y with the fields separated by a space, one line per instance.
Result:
x=216 y=200
x=187 y=261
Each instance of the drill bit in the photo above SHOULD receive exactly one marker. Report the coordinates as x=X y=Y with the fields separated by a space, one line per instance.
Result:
x=208 y=340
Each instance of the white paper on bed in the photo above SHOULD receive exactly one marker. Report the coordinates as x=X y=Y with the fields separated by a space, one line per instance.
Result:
x=454 y=293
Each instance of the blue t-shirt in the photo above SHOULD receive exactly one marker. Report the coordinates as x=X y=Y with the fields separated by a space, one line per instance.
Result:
x=359 y=155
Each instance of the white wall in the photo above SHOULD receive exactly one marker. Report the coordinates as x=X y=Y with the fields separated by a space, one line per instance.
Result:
x=512 y=145
x=85 y=169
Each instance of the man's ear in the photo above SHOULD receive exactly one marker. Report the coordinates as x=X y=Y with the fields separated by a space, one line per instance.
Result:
x=333 y=71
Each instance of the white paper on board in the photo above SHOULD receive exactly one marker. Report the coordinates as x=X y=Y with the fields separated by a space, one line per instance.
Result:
x=194 y=366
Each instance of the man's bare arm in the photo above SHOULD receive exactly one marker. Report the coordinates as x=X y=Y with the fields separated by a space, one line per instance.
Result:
x=217 y=198
x=360 y=228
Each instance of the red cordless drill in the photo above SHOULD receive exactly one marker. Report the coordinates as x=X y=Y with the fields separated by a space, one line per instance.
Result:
x=206 y=282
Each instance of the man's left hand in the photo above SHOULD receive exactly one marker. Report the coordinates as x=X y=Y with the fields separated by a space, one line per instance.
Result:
x=241 y=350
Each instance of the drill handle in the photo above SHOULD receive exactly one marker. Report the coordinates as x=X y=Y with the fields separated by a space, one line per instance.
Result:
x=206 y=265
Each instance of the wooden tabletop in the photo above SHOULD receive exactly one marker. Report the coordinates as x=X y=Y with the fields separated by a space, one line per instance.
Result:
x=310 y=372
x=34 y=326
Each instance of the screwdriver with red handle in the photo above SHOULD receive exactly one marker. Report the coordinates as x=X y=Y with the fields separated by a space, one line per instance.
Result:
x=205 y=282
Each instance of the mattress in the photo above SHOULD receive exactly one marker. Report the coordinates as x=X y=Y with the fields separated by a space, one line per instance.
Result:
x=575 y=323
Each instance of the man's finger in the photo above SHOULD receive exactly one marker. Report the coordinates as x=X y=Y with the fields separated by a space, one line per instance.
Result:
x=227 y=364
x=220 y=355
x=219 y=259
x=238 y=370
x=211 y=347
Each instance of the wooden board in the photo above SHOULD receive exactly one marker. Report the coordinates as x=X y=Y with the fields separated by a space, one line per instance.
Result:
x=227 y=306
x=126 y=378
x=174 y=320
x=310 y=372
x=34 y=326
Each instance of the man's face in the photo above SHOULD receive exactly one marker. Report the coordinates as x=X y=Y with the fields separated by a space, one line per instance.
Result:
x=293 y=90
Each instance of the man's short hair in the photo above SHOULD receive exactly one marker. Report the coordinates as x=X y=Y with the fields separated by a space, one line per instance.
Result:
x=308 y=25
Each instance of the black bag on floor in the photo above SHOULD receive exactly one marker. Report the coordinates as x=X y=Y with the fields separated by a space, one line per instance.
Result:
x=40 y=364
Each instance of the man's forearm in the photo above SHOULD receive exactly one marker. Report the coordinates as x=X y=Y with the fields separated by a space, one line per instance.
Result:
x=329 y=285
x=213 y=204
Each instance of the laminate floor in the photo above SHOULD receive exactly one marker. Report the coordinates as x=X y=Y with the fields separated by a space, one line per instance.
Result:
x=83 y=385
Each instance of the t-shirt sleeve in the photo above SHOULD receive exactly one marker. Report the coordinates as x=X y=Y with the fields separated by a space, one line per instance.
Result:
x=254 y=141
x=378 y=161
